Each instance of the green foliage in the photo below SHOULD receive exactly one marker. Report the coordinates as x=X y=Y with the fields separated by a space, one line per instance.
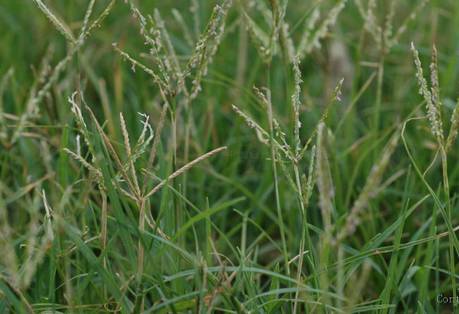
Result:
x=223 y=156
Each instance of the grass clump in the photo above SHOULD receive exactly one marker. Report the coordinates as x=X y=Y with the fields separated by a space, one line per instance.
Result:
x=269 y=157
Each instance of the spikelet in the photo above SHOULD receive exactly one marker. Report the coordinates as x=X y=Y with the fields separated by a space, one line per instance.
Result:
x=262 y=134
x=140 y=147
x=277 y=21
x=335 y=98
x=37 y=246
x=370 y=188
x=170 y=57
x=432 y=104
x=194 y=9
x=324 y=179
x=85 y=26
x=36 y=93
x=37 y=96
x=93 y=170
x=385 y=37
x=81 y=124
x=388 y=24
x=94 y=173
x=49 y=215
x=312 y=40
x=124 y=132
x=122 y=168
x=156 y=141
x=454 y=128
x=207 y=45
x=172 y=78
x=60 y=25
x=309 y=182
x=3 y=85
x=371 y=23
x=280 y=134
x=296 y=104
x=259 y=38
x=84 y=33
x=287 y=42
x=328 y=22
x=146 y=136
x=284 y=34
x=153 y=39
x=262 y=7
x=129 y=166
x=304 y=45
x=77 y=113
x=435 y=89
x=265 y=99
x=8 y=258
x=264 y=95
x=167 y=73
x=267 y=44
x=184 y=169
x=163 y=86
x=401 y=30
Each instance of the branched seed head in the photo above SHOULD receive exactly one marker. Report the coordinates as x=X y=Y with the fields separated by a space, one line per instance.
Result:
x=207 y=46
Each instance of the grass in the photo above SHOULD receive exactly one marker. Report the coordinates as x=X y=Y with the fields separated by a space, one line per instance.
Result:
x=228 y=156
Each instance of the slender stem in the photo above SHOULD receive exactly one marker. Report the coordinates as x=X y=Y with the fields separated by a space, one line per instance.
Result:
x=139 y=307
x=431 y=191
x=444 y=162
x=340 y=277
x=103 y=223
x=303 y=236
x=276 y=191
x=174 y=135
x=380 y=81
x=103 y=233
x=141 y=250
x=275 y=173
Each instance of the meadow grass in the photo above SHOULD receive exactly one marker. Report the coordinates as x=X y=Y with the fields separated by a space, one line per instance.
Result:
x=229 y=156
